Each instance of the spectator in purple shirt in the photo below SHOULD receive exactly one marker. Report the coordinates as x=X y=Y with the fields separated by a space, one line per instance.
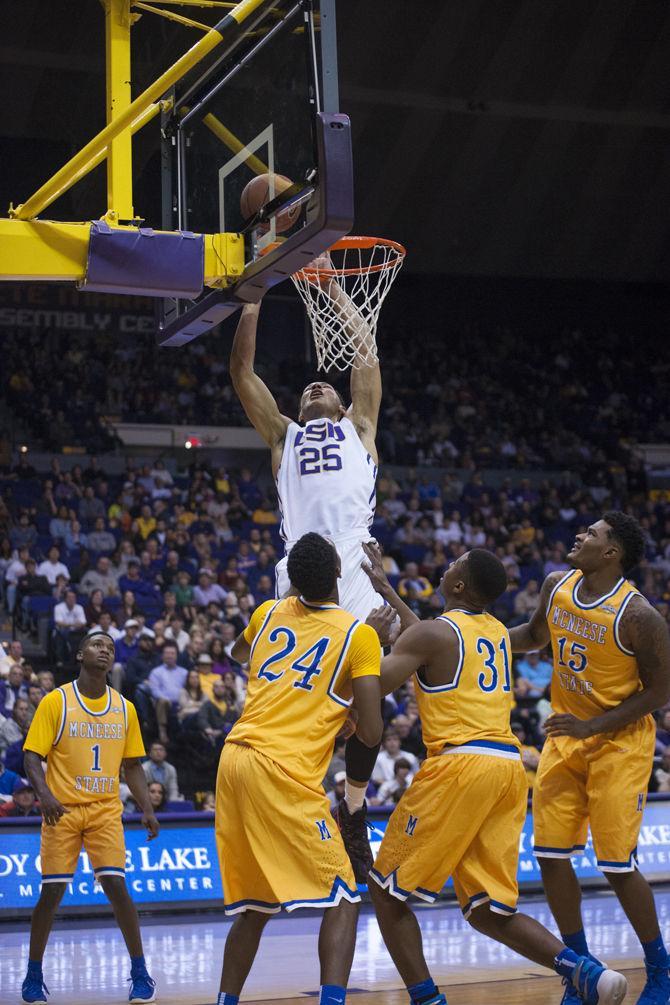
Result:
x=133 y=581
x=164 y=684
x=207 y=591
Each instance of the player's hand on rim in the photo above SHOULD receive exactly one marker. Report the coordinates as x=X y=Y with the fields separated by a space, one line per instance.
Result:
x=151 y=824
x=51 y=809
x=382 y=620
x=564 y=724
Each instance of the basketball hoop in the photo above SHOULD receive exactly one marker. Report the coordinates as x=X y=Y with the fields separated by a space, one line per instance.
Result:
x=345 y=326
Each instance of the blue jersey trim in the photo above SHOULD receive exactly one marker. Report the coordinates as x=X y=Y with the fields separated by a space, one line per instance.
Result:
x=88 y=710
x=261 y=630
x=63 y=717
x=331 y=686
x=338 y=890
x=555 y=590
x=110 y=869
x=629 y=864
x=125 y=712
x=558 y=851
x=490 y=744
x=461 y=660
x=318 y=607
x=474 y=900
x=57 y=875
x=599 y=601
x=617 y=621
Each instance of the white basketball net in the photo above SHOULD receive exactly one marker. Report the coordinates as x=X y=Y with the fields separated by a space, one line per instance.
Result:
x=343 y=291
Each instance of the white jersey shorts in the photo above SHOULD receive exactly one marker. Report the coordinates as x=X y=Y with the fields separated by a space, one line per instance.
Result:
x=356 y=591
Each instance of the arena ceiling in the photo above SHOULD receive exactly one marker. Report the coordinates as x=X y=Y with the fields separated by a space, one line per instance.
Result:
x=493 y=137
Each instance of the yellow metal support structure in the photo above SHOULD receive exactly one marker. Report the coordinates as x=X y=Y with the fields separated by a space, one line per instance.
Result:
x=42 y=250
x=119 y=152
x=188 y=22
x=57 y=183
x=232 y=142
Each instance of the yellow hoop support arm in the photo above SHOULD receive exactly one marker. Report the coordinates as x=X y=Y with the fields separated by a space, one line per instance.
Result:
x=58 y=182
x=171 y=16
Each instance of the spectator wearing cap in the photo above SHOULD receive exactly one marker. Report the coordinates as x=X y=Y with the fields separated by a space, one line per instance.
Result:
x=23 y=802
x=208 y=591
x=137 y=671
x=337 y=791
x=102 y=578
x=126 y=647
x=52 y=567
x=100 y=539
x=69 y=627
x=204 y=666
x=8 y=779
x=165 y=683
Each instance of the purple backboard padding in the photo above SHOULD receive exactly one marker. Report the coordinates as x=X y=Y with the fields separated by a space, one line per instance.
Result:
x=144 y=262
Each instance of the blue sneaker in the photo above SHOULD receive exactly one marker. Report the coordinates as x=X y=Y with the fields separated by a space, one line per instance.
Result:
x=141 y=988
x=570 y=995
x=597 y=985
x=34 y=990
x=657 y=989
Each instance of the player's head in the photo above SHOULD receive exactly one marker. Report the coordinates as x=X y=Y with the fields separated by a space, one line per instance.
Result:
x=617 y=540
x=320 y=400
x=475 y=579
x=96 y=653
x=314 y=567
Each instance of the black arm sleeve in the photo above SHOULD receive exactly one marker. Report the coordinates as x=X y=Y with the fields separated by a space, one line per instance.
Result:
x=359 y=760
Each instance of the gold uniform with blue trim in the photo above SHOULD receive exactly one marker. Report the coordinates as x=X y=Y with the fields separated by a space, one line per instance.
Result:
x=278 y=844
x=601 y=781
x=463 y=814
x=84 y=741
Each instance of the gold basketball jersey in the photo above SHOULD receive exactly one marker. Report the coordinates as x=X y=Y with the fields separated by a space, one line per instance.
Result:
x=84 y=742
x=476 y=705
x=303 y=658
x=593 y=671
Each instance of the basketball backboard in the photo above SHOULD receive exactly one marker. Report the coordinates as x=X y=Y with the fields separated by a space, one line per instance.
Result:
x=270 y=106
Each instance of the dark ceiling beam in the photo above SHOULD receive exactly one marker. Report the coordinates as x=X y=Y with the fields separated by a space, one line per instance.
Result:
x=631 y=118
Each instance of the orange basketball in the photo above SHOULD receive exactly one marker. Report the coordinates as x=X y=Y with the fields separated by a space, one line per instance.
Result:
x=257 y=193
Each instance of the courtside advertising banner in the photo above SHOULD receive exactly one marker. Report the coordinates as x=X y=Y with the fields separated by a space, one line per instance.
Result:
x=180 y=865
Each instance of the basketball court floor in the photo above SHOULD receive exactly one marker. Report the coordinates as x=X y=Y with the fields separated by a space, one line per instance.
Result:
x=86 y=961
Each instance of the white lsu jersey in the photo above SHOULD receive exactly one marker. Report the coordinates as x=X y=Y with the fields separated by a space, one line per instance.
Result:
x=326 y=482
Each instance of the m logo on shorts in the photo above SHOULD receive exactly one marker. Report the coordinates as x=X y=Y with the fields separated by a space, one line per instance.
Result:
x=323 y=829
x=411 y=824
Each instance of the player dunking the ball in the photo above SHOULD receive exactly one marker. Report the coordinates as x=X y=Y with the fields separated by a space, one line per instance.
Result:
x=611 y=671
x=463 y=814
x=86 y=731
x=325 y=465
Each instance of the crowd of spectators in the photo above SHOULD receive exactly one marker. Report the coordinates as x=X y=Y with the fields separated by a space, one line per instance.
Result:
x=172 y=568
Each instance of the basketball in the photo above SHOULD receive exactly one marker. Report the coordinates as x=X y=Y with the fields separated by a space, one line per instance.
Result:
x=257 y=193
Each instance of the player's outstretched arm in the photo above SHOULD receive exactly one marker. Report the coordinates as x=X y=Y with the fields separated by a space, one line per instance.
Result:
x=51 y=809
x=535 y=634
x=644 y=632
x=257 y=401
x=425 y=642
x=137 y=783
x=374 y=570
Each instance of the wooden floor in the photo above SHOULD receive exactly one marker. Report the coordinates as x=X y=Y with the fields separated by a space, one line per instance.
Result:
x=528 y=991
x=86 y=963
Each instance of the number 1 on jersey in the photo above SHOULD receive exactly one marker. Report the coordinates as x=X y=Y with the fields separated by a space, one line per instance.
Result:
x=95 y=750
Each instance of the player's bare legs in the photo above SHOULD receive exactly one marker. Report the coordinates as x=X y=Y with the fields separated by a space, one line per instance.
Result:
x=125 y=912
x=337 y=942
x=564 y=894
x=43 y=918
x=240 y=952
x=519 y=932
x=635 y=896
x=402 y=935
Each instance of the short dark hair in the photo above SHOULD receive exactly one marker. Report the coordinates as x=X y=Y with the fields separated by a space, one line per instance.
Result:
x=486 y=575
x=628 y=534
x=312 y=566
x=93 y=635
